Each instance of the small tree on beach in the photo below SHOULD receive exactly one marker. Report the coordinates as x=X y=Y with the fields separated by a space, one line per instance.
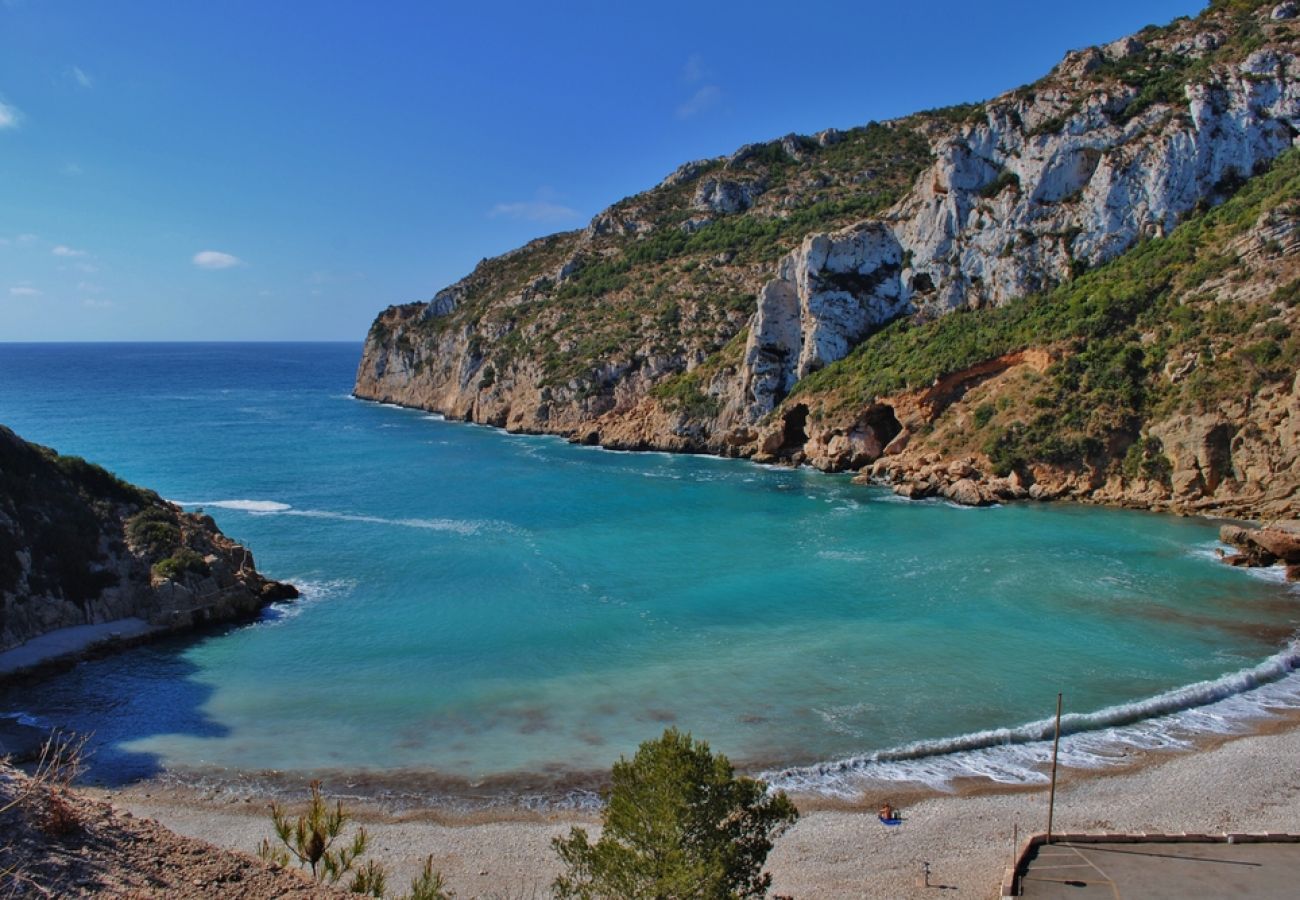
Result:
x=678 y=823
x=310 y=839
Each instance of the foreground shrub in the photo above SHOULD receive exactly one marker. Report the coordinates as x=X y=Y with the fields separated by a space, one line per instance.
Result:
x=311 y=841
x=678 y=823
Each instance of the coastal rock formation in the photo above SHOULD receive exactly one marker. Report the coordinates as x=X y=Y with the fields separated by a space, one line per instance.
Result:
x=78 y=546
x=728 y=309
x=1278 y=542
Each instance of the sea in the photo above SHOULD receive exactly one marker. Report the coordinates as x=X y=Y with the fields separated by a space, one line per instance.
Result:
x=498 y=617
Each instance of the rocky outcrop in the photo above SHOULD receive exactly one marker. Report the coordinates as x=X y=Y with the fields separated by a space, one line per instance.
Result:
x=1273 y=544
x=618 y=335
x=80 y=547
x=1052 y=182
x=828 y=295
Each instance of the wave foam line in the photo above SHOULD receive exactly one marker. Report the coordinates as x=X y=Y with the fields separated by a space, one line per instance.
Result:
x=1167 y=721
x=272 y=507
x=251 y=506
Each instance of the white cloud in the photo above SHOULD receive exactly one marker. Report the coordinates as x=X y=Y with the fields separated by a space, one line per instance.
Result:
x=89 y=287
x=9 y=116
x=65 y=250
x=535 y=211
x=215 y=259
x=705 y=98
x=73 y=169
x=81 y=78
x=85 y=267
x=23 y=290
x=92 y=303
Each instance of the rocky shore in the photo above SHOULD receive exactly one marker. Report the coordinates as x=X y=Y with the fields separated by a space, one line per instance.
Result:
x=89 y=563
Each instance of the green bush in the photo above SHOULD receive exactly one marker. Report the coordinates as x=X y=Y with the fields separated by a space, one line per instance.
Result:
x=1006 y=179
x=181 y=563
x=154 y=530
x=678 y=823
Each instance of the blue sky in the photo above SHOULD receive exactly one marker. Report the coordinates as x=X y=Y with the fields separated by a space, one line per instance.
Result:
x=275 y=171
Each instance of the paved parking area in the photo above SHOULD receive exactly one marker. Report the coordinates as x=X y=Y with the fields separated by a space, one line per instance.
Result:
x=1157 y=871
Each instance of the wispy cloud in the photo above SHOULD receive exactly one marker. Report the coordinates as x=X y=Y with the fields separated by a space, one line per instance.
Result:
x=704 y=99
x=10 y=117
x=66 y=251
x=215 y=259
x=22 y=290
x=95 y=303
x=78 y=74
x=705 y=94
x=72 y=169
x=535 y=211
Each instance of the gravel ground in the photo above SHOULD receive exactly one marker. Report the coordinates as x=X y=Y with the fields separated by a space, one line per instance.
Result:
x=1246 y=784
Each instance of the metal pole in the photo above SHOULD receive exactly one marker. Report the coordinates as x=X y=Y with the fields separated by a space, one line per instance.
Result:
x=1056 y=746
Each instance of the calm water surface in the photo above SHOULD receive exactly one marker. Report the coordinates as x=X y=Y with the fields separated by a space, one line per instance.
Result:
x=480 y=604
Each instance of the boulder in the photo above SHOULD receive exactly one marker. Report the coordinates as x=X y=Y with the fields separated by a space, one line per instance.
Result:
x=966 y=492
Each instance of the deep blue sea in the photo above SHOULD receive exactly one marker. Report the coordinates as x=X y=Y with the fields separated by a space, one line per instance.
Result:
x=507 y=613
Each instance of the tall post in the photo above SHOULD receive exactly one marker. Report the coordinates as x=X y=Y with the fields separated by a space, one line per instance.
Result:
x=1056 y=747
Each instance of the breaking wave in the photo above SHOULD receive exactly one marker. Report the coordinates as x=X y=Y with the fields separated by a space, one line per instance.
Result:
x=1172 y=720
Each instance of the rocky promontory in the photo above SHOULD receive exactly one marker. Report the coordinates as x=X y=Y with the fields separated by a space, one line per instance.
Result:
x=1085 y=288
x=81 y=550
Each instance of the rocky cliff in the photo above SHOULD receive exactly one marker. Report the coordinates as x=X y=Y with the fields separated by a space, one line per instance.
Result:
x=78 y=546
x=738 y=306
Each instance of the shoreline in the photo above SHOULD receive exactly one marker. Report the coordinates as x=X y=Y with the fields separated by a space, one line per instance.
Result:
x=1245 y=782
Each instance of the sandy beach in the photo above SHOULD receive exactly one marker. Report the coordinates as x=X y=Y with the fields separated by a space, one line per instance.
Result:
x=1250 y=783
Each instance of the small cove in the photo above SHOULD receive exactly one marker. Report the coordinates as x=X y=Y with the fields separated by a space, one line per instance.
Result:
x=502 y=612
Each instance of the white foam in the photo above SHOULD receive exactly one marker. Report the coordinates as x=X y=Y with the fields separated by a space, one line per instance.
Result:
x=310 y=592
x=1171 y=720
x=458 y=526
x=272 y=507
x=250 y=506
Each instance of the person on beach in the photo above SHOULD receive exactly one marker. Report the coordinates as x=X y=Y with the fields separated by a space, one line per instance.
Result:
x=887 y=812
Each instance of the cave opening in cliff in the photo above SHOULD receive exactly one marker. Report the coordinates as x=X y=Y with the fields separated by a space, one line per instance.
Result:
x=794 y=435
x=882 y=422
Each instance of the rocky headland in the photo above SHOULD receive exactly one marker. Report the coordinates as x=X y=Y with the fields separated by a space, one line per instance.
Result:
x=87 y=555
x=1085 y=288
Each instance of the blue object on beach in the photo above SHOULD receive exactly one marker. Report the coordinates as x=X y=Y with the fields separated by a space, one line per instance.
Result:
x=893 y=820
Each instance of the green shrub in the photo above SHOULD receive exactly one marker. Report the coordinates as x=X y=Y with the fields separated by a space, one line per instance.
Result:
x=1006 y=179
x=181 y=563
x=984 y=414
x=154 y=530
x=678 y=823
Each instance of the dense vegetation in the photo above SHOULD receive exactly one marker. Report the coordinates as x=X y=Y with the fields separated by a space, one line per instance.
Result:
x=1115 y=330
x=54 y=507
x=66 y=513
x=678 y=823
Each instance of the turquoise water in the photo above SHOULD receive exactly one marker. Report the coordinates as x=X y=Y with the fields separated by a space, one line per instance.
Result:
x=514 y=611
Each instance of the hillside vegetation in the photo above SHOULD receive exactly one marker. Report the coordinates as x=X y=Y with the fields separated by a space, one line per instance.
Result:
x=1128 y=218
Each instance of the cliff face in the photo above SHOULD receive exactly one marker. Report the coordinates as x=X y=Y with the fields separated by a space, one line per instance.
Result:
x=78 y=546
x=689 y=317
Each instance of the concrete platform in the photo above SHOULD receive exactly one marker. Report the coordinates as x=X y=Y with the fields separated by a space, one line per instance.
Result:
x=1173 y=870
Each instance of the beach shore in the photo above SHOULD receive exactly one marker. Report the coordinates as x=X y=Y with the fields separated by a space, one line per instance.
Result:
x=1249 y=783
